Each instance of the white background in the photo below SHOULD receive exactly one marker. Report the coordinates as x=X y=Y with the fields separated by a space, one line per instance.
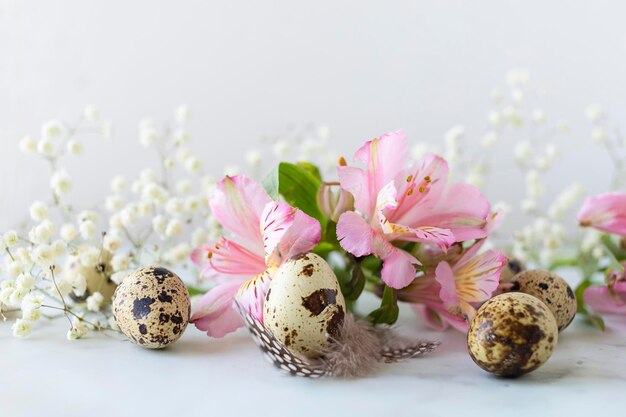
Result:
x=249 y=69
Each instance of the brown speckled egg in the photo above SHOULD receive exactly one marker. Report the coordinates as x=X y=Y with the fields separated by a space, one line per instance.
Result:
x=512 y=334
x=151 y=307
x=304 y=307
x=98 y=277
x=552 y=290
x=512 y=268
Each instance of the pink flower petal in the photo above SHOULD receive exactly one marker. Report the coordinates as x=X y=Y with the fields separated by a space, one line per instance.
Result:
x=398 y=267
x=251 y=295
x=445 y=277
x=602 y=301
x=214 y=312
x=385 y=158
x=606 y=212
x=237 y=204
x=226 y=257
x=438 y=318
x=354 y=234
x=478 y=277
x=276 y=219
x=303 y=235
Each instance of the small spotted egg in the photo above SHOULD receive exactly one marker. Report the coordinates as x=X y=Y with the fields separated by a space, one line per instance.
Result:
x=552 y=290
x=97 y=277
x=512 y=268
x=512 y=334
x=151 y=307
x=304 y=307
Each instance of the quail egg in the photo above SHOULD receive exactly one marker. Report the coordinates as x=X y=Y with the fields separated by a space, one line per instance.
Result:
x=512 y=334
x=304 y=307
x=151 y=307
x=552 y=290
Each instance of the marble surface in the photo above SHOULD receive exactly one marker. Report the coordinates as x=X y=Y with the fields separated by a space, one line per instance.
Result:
x=46 y=375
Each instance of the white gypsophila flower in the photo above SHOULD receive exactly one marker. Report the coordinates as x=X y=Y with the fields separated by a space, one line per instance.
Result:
x=534 y=186
x=45 y=148
x=63 y=286
x=61 y=182
x=183 y=187
x=599 y=135
x=489 y=139
x=496 y=95
x=23 y=255
x=175 y=206
x=106 y=130
x=120 y=262
x=591 y=239
x=31 y=315
x=542 y=163
x=94 y=302
x=112 y=242
x=182 y=114
x=88 y=230
x=231 y=170
x=494 y=118
x=598 y=252
x=14 y=268
x=253 y=158
x=148 y=136
x=541 y=226
x=539 y=116
x=181 y=137
x=208 y=181
x=281 y=148
x=144 y=208
x=562 y=126
x=10 y=238
x=42 y=232
x=113 y=203
x=3 y=243
x=38 y=211
x=174 y=228
x=193 y=203
x=154 y=193
x=148 y=176
x=199 y=237
x=18 y=295
x=89 y=256
x=517 y=95
x=513 y=116
x=119 y=276
x=168 y=163
x=52 y=129
x=454 y=134
x=529 y=205
x=193 y=164
x=25 y=281
x=68 y=232
x=517 y=77
x=115 y=221
x=31 y=301
x=87 y=215
x=159 y=224
x=178 y=253
x=523 y=151
x=91 y=114
x=565 y=200
x=594 y=113
x=78 y=330
x=183 y=154
x=128 y=216
x=74 y=147
x=551 y=150
x=118 y=184
x=475 y=179
x=5 y=295
x=22 y=328
x=79 y=285
x=43 y=255
x=28 y=145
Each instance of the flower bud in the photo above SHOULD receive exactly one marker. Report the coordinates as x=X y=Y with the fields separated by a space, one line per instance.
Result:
x=334 y=202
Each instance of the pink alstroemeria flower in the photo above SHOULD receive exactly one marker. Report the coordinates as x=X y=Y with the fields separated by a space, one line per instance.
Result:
x=606 y=212
x=264 y=233
x=607 y=300
x=449 y=295
x=396 y=203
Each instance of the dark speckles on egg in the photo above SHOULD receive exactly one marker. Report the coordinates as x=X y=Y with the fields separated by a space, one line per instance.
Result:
x=158 y=309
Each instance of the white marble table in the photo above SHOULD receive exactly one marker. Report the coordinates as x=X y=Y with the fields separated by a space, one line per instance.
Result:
x=46 y=375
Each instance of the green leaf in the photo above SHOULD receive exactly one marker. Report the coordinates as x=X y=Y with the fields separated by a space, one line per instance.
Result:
x=311 y=169
x=615 y=253
x=195 y=291
x=388 y=311
x=579 y=296
x=595 y=320
x=355 y=286
x=298 y=186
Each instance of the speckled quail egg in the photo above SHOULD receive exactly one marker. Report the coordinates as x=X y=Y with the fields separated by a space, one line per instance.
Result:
x=151 y=307
x=512 y=268
x=512 y=334
x=97 y=277
x=304 y=307
x=552 y=290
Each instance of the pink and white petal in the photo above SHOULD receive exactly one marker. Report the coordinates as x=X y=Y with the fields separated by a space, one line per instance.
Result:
x=354 y=234
x=398 y=267
x=419 y=192
x=302 y=236
x=237 y=203
x=228 y=258
x=445 y=277
x=478 y=277
x=606 y=212
x=214 y=312
x=603 y=301
x=276 y=219
x=251 y=294
x=438 y=318
x=385 y=158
